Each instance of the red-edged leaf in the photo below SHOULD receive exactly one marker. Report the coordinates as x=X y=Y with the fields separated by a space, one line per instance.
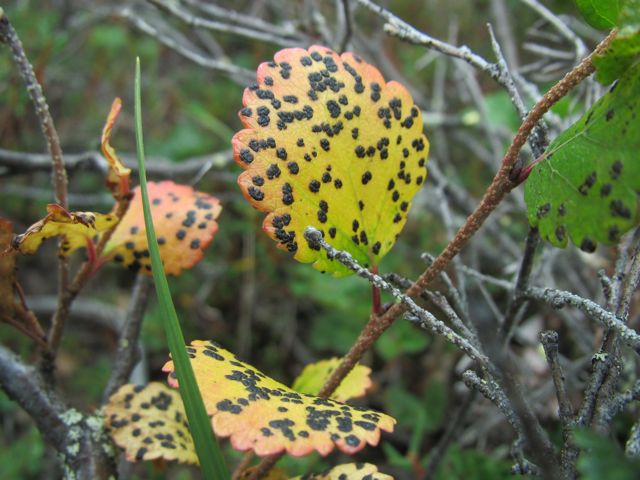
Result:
x=149 y=423
x=76 y=228
x=261 y=414
x=185 y=224
x=329 y=144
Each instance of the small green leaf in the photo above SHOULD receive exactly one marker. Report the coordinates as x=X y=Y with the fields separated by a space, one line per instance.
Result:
x=624 y=49
x=602 y=14
x=584 y=188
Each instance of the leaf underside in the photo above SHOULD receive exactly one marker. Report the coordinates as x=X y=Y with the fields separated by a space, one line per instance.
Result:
x=185 y=223
x=149 y=423
x=586 y=187
x=329 y=144
x=315 y=375
x=261 y=414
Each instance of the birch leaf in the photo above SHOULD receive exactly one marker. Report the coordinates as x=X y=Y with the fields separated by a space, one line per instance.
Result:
x=314 y=376
x=261 y=414
x=76 y=228
x=585 y=187
x=185 y=224
x=329 y=144
x=350 y=471
x=149 y=423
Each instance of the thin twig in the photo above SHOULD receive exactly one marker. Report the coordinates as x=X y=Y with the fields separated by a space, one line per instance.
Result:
x=128 y=351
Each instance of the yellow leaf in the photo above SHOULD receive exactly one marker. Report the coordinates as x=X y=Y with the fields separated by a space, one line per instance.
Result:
x=76 y=228
x=118 y=174
x=149 y=423
x=261 y=414
x=314 y=376
x=329 y=144
x=184 y=221
x=350 y=471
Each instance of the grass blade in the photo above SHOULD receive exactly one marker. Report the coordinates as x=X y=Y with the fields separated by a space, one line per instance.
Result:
x=209 y=454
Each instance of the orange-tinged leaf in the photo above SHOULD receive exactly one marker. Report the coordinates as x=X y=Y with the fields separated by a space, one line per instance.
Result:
x=261 y=414
x=149 y=423
x=314 y=376
x=118 y=174
x=185 y=223
x=76 y=228
x=329 y=144
x=350 y=471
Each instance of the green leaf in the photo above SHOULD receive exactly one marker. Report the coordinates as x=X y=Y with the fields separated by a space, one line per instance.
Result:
x=584 y=188
x=211 y=460
x=330 y=144
x=602 y=14
x=315 y=375
x=624 y=49
x=602 y=458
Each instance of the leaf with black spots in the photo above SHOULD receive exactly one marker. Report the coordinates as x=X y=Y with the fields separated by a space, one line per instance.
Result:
x=185 y=224
x=261 y=414
x=76 y=228
x=350 y=471
x=315 y=375
x=329 y=144
x=585 y=187
x=118 y=174
x=149 y=423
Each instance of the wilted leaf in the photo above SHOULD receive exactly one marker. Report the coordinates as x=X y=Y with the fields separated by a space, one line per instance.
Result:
x=184 y=221
x=585 y=187
x=76 y=228
x=350 y=471
x=118 y=174
x=259 y=413
x=314 y=376
x=329 y=144
x=602 y=14
x=149 y=422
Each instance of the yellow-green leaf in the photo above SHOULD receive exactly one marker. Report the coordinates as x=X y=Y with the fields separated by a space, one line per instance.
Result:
x=261 y=414
x=329 y=144
x=185 y=224
x=149 y=422
x=350 y=471
x=314 y=376
x=76 y=228
x=118 y=174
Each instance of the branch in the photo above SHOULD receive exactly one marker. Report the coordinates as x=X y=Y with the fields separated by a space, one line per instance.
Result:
x=128 y=351
x=559 y=299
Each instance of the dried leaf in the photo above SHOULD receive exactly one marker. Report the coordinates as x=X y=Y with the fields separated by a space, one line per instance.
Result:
x=259 y=413
x=118 y=174
x=329 y=144
x=149 y=423
x=76 y=228
x=350 y=471
x=185 y=225
x=314 y=376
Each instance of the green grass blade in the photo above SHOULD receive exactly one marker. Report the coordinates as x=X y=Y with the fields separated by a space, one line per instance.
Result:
x=209 y=454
